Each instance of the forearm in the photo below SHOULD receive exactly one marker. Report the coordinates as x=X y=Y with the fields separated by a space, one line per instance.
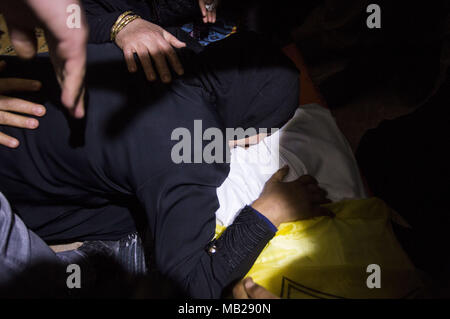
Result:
x=102 y=14
x=230 y=257
x=100 y=26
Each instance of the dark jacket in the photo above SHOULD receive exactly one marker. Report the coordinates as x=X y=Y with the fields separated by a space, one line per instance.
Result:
x=102 y=14
x=66 y=171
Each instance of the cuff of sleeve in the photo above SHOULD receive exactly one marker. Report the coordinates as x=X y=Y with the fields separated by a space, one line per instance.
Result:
x=242 y=242
x=264 y=218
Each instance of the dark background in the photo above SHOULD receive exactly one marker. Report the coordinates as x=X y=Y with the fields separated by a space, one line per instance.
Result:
x=367 y=75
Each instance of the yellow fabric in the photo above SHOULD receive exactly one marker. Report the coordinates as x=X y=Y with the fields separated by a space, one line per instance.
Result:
x=328 y=257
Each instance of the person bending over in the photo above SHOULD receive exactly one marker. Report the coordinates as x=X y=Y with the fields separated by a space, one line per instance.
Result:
x=79 y=180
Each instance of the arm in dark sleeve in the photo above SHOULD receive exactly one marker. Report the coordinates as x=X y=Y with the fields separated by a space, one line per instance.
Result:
x=102 y=14
x=183 y=229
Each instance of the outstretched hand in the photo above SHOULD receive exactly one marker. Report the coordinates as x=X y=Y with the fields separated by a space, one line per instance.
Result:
x=283 y=202
x=150 y=42
x=248 y=289
x=209 y=16
x=10 y=106
x=67 y=45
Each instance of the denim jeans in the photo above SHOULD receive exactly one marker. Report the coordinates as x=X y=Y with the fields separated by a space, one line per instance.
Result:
x=30 y=268
x=27 y=264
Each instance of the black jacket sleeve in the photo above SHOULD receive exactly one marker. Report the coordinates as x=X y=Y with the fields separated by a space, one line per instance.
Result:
x=184 y=249
x=249 y=85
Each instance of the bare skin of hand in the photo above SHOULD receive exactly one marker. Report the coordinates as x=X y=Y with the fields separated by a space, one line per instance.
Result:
x=150 y=42
x=283 y=202
x=208 y=16
x=10 y=105
x=248 y=289
x=67 y=46
x=247 y=141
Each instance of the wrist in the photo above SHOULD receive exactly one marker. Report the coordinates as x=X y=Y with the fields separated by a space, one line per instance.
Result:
x=265 y=208
x=122 y=21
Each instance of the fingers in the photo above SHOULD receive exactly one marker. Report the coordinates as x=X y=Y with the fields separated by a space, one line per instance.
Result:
x=16 y=84
x=154 y=47
x=320 y=199
x=23 y=40
x=67 y=46
x=314 y=188
x=79 y=106
x=20 y=106
x=307 y=179
x=73 y=85
x=201 y=3
x=161 y=66
x=146 y=64
x=255 y=291
x=239 y=291
x=211 y=16
x=172 y=57
x=129 y=59
x=11 y=119
x=175 y=62
x=8 y=141
x=171 y=54
x=318 y=195
x=208 y=16
x=173 y=40
x=280 y=174
x=68 y=56
x=161 y=54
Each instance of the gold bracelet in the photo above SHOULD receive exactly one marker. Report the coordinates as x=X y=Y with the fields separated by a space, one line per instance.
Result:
x=116 y=24
x=119 y=19
x=126 y=21
x=121 y=24
x=123 y=20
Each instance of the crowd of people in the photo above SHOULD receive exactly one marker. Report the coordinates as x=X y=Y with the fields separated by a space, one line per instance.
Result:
x=88 y=130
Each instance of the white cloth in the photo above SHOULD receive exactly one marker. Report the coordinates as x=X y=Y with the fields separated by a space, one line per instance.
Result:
x=310 y=143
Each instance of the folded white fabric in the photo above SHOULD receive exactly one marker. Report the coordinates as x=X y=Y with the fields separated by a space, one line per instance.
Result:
x=310 y=143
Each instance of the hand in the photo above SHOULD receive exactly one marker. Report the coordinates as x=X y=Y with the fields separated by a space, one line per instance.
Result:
x=10 y=104
x=283 y=202
x=248 y=289
x=208 y=16
x=67 y=46
x=150 y=40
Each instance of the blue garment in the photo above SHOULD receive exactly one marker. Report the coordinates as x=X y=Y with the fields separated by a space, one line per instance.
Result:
x=206 y=34
x=27 y=264
x=30 y=268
